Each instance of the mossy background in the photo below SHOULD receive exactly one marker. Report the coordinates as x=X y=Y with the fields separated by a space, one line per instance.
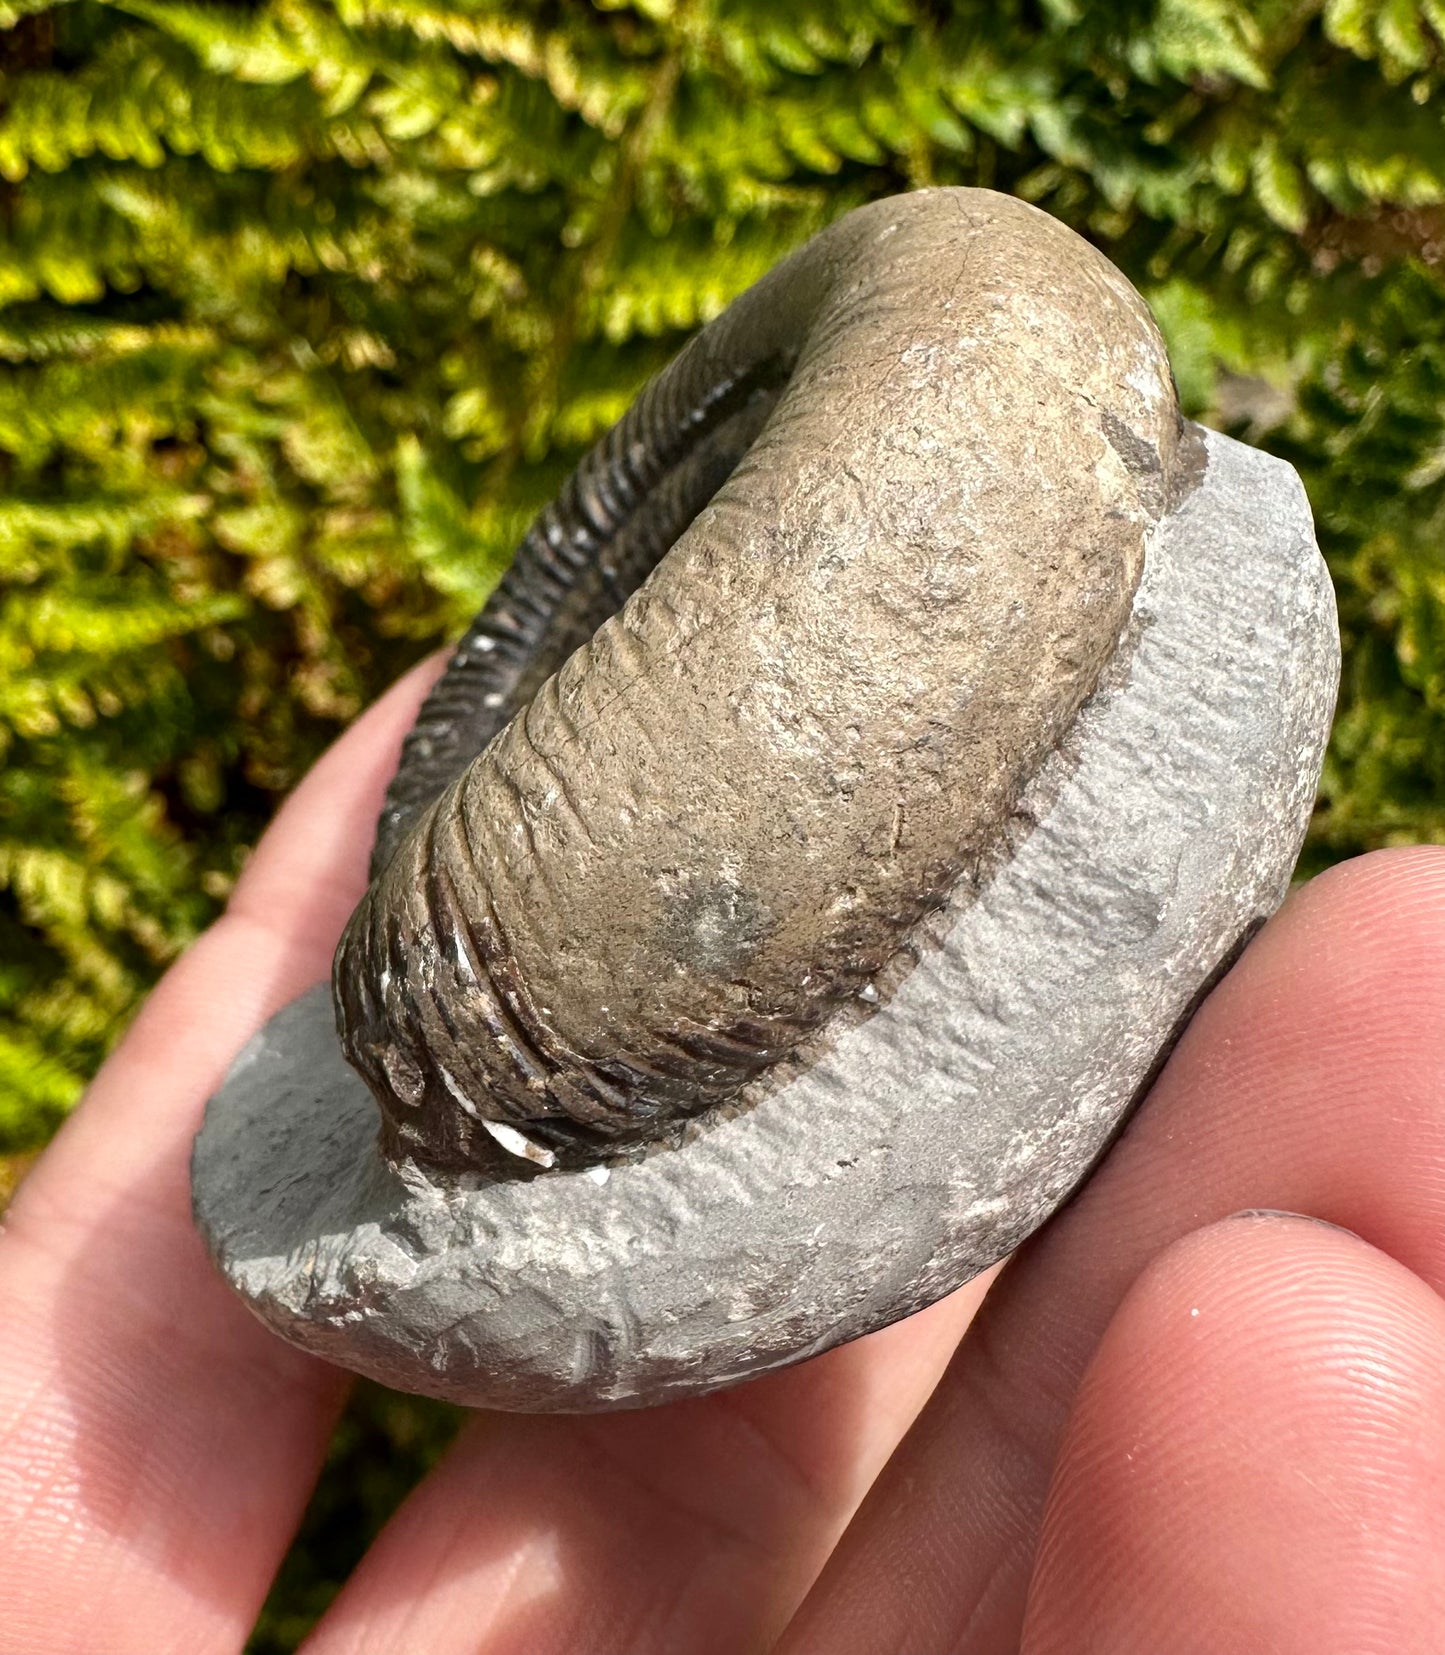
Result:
x=307 y=305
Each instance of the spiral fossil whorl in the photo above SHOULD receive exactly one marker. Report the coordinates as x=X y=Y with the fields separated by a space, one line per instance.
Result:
x=585 y=555
x=702 y=820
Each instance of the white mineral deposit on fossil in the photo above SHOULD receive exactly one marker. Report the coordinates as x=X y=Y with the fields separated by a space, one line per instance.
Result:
x=813 y=849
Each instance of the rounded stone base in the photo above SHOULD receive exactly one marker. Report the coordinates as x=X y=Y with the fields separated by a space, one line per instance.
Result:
x=918 y=1140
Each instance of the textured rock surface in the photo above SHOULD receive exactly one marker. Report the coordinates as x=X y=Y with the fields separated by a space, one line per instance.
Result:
x=721 y=816
x=916 y=1141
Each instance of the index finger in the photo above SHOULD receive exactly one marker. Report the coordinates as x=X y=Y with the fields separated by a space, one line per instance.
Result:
x=157 y=1445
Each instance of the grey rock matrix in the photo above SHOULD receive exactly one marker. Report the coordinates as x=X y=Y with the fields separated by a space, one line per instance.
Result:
x=920 y=1131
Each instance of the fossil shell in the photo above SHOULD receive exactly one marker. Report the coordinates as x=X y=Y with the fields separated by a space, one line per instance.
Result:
x=695 y=1054
x=718 y=819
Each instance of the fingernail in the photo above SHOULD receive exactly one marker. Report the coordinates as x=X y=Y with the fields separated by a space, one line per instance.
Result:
x=1299 y=1218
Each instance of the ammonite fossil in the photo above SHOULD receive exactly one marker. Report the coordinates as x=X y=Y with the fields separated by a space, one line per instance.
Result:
x=811 y=849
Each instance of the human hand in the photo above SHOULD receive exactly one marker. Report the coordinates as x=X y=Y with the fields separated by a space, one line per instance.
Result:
x=1167 y=1431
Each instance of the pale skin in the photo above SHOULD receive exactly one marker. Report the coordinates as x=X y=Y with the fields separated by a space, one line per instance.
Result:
x=1168 y=1429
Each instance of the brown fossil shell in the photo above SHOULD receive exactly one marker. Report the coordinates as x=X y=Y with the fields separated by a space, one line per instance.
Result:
x=761 y=687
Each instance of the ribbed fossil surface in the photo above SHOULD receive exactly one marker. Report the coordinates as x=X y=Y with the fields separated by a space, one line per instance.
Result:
x=762 y=686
